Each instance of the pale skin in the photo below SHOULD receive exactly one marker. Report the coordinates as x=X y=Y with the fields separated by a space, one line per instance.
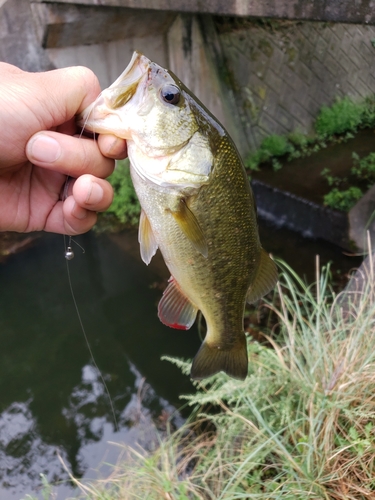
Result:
x=40 y=147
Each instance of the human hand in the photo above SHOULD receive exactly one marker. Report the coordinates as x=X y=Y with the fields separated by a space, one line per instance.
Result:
x=39 y=149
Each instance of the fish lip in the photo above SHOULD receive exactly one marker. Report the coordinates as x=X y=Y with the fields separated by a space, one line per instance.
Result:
x=134 y=71
x=100 y=115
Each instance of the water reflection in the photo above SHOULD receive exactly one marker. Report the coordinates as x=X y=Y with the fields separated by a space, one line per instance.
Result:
x=52 y=397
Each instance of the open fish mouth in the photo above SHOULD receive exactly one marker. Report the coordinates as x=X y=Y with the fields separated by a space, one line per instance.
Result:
x=102 y=115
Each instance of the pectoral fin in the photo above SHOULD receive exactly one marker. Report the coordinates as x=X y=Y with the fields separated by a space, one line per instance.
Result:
x=146 y=238
x=190 y=227
x=176 y=310
x=265 y=279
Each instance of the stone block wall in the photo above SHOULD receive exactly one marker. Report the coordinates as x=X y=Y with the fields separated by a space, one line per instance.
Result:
x=280 y=73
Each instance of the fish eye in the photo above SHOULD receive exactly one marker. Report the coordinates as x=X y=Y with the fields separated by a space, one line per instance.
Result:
x=170 y=94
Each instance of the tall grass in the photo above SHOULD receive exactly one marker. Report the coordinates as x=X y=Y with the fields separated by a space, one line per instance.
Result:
x=301 y=426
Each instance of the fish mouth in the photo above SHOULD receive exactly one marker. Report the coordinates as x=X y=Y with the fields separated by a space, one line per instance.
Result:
x=103 y=116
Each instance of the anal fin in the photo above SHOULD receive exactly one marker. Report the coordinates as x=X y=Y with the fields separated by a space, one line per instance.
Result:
x=146 y=238
x=175 y=309
x=265 y=279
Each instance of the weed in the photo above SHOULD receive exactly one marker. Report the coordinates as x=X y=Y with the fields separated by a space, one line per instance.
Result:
x=298 y=139
x=342 y=116
x=271 y=147
x=348 y=190
x=46 y=490
x=301 y=424
x=364 y=168
x=125 y=208
x=343 y=199
x=275 y=145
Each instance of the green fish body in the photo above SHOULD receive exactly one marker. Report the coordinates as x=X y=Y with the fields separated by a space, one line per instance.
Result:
x=197 y=208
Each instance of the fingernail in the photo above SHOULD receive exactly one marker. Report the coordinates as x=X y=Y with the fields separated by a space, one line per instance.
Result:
x=44 y=148
x=79 y=212
x=95 y=194
x=118 y=147
x=113 y=146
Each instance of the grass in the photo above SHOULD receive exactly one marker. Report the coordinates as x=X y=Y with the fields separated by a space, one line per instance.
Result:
x=125 y=208
x=301 y=426
x=343 y=116
x=346 y=191
x=343 y=200
x=271 y=147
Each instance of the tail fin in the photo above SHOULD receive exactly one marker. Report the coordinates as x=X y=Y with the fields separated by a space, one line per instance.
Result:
x=211 y=359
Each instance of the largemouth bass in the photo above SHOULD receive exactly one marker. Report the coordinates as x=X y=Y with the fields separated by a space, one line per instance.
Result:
x=197 y=208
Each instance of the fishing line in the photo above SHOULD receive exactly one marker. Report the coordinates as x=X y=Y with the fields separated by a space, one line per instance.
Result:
x=68 y=251
x=69 y=255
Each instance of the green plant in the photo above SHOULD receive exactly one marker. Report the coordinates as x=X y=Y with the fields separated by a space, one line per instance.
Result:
x=275 y=145
x=343 y=199
x=344 y=115
x=298 y=139
x=125 y=208
x=271 y=147
x=46 y=490
x=348 y=190
x=368 y=119
x=299 y=427
x=332 y=180
x=364 y=168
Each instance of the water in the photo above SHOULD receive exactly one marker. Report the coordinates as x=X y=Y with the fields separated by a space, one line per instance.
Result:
x=293 y=196
x=302 y=176
x=53 y=402
x=52 y=398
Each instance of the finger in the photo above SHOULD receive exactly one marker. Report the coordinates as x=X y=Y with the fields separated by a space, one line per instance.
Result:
x=77 y=220
x=112 y=147
x=92 y=193
x=69 y=155
x=9 y=68
x=69 y=218
x=68 y=91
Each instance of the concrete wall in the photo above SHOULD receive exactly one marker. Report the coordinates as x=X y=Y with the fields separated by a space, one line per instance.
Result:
x=280 y=73
x=258 y=77
x=19 y=44
x=346 y=11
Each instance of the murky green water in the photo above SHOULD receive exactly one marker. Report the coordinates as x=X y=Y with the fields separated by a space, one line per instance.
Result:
x=302 y=176
x=52 y=399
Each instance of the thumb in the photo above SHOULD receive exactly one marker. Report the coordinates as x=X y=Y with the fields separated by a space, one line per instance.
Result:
x=66 y=92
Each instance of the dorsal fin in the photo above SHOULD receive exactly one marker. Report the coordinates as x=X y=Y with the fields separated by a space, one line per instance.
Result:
x=175 y=309
x=190 y=227
x=265 y=279
x=146 y=238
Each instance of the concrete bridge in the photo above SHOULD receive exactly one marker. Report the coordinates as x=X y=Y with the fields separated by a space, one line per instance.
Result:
x=262 y=67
